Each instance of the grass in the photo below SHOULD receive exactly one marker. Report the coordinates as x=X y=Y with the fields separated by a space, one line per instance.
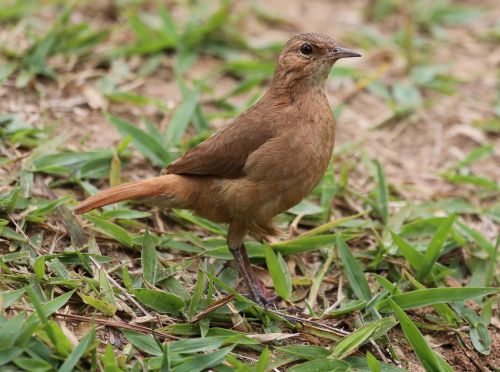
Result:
x=370 y=277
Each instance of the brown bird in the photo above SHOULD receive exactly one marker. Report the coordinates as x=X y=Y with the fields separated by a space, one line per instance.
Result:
x=260 y=164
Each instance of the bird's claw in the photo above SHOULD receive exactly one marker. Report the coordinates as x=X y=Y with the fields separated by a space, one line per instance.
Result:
x=267 y=302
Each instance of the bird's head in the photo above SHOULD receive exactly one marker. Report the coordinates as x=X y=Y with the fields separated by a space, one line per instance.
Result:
x=310 y=57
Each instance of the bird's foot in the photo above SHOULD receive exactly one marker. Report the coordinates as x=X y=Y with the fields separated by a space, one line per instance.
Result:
x=262 y=301
x=266 y=298
x=262 y=296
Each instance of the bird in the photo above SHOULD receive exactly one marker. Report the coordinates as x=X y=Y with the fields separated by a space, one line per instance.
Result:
x=261 y=163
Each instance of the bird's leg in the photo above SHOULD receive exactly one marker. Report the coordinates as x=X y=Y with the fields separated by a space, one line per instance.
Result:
x=235 y=237
x=268 y=296
x=247 y=274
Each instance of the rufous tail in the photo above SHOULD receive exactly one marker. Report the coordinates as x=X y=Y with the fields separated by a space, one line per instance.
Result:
x=151 y=188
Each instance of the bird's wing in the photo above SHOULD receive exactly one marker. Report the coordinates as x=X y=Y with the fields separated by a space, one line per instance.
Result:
x=225 y=153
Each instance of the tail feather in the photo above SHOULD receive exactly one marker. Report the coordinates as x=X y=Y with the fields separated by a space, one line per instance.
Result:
x=151 y=188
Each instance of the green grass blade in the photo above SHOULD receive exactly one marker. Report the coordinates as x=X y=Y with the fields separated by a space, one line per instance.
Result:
x=331 y=225
x=202 y=222
x=352 y=342
x=299 y=245
x=82 y=347
x=435 y=246
x=198 y=292
x=322 y=365
x=432 y=296
x=442 y=309
x=104 y=307
x=279 y=273
x=414 y=257
x=353 y=271
x=9 y=298
x=411 y=254
x=318 y=279
x=199 y=363
x=106 y=291
x=427 y=357
x=181 y=117
x=308 y=352
x=382 y=193
x=109 y=228
x=10 y=331
x=109 y=360
x=150 y=147
x=205 y=344
x=160 y=301
x=262 y=363
x=372 y=362
x=6 y=69
x=149 y=259
x=42 y=314
x=143 y=342
x=36 y=365
x=359 y=363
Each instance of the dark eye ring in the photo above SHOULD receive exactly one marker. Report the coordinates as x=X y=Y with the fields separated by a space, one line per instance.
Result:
x=306 y=49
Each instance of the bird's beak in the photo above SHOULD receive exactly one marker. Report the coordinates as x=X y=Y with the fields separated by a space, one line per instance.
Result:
x=338 y=52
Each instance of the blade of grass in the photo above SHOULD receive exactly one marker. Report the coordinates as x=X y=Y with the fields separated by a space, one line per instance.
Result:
x=331 y=225
x=382 y=193
x=279 y=273
x=198 y=291
x=203 y=362
x=352 y=342
x=430 y=361
x=434 y=249
x=415 y=258
x=143 y=342
x=353 y=271
x=262 y=363
x=10 y=331
x=322 y=365
x=202 y=222
x=372 y=362
x=160 y=301
x=150 y=147
x=442 y=309
x=109 y=228
x=318 y=279
x=9 y=298
x=149 y=259
x=42 y=314
x=432 y=296
x=181 y=117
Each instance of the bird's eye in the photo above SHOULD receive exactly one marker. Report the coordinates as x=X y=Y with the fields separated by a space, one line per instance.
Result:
x=306 y=49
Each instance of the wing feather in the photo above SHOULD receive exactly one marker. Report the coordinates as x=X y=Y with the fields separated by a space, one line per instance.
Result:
x=225 y=153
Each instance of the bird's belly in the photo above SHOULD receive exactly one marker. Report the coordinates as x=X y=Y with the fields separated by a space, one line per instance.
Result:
x=261 y=199
x=291 y=191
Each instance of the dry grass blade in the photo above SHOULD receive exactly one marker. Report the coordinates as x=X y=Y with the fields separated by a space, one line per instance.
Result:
x=211 y=308
x=109 y=323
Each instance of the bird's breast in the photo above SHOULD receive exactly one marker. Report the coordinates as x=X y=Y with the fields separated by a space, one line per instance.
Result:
x=298 y=169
